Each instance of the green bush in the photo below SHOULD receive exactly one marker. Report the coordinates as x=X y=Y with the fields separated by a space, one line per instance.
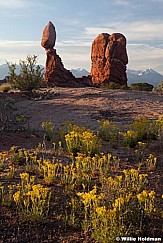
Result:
x=111 y=85
x=159 y=88
x=141 y=86
x=30 y=75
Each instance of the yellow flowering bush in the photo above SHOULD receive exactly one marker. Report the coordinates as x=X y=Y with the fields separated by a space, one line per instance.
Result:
x=150 y=162
x=130 y=138
x=108 y=131
x=32 y=200
x=82 y=141
x=50 y=171
x=147 y=201
x=143 y=129
x=148 y=129
x=1 y=192
x=48 y=129
x=6 y=194
x=85 y=168
x=106 y=217
x=73 y=142
x=3 y=157
x=131 y=181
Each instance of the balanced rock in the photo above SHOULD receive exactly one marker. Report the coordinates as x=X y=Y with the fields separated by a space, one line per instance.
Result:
x=55 y=73
x=109 y=59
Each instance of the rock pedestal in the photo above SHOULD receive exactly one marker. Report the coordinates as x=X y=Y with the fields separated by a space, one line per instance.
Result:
x=109 y=59
x=56 y=74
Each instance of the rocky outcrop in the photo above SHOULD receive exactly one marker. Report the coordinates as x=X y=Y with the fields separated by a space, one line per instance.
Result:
x=55 y=73
x=109 y=59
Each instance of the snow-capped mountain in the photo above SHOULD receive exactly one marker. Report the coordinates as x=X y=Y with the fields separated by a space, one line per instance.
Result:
x=79 y=72
x=134 y=76
x=147 y=76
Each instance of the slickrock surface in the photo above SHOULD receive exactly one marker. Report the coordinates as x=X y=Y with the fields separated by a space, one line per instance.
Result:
x=85 y=106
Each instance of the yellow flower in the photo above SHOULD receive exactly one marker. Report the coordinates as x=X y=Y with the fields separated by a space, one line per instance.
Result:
x=119 y=203
x=26 y=202
x=145 y=194
x=16 y=196
x=24 y=176
x=152 y=194
x=142 y=197
x=101 y=211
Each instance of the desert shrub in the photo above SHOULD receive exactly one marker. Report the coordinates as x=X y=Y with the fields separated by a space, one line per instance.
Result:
x=147 y=129
x=159 y=88
x=30 y=75
x=5 y=87
x=143 y=129
x=7 y=108
x=111 y=85
x=108 y=131
x=9 y=118
x=141 y=86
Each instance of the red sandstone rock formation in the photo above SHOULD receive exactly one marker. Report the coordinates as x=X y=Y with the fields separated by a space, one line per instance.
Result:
x=109 y=59
x=55 y=73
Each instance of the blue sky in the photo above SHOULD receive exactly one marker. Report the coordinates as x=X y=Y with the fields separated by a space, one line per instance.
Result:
x=77 y=23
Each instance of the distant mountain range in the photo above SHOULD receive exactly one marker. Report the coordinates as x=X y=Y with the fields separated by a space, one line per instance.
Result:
x=4 y=70
x=79 y=72
x=147 y=76
x=134 y=76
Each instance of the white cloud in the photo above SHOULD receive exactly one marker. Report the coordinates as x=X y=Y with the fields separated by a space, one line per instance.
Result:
x=94 y=31
x=12 y=4
x=78 y=43
x=143 y=56
x=121 y=2
x=13 y=51
x=75 y=56
x=140 y=30
x=144 y=30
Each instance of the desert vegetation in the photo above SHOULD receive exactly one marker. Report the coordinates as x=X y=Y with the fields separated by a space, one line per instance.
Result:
x=68 y=184
x=30 y=76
